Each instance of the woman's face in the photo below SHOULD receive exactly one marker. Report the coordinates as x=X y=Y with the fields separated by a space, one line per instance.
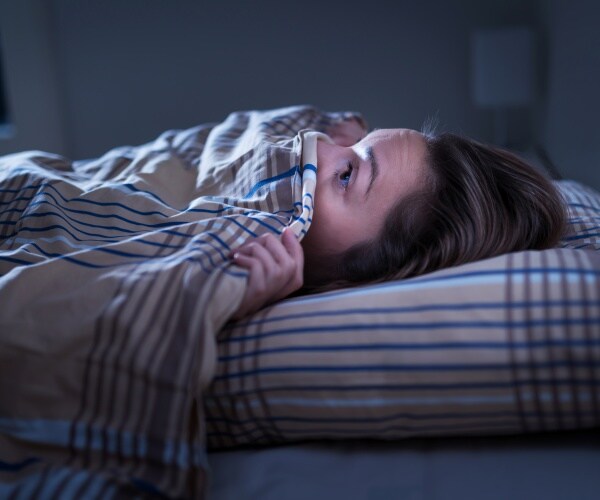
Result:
x=357 y=186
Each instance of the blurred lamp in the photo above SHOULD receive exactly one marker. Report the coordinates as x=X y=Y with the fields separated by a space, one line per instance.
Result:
x=503 y=72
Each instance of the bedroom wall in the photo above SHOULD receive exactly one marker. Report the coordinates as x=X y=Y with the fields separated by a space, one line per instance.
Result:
x=32 y=84
x=128 y=70
x=84 y=76
x=569 y=127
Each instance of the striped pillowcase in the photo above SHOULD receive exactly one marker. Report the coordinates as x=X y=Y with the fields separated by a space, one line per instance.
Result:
x=505 y=345
x=583 y=205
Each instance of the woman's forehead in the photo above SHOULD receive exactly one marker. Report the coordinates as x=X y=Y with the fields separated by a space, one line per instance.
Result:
x=398 y=142
x=402 y=151
x=388 y=133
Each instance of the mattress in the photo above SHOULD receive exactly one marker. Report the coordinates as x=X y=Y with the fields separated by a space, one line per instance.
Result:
x=552 y=466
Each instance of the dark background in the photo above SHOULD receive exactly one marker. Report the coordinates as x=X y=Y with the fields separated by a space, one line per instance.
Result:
x=83 y=76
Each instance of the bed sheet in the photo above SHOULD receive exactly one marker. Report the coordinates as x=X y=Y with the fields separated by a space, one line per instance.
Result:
x=550 y=466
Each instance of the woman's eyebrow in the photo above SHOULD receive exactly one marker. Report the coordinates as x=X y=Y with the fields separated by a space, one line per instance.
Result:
x=374 y=168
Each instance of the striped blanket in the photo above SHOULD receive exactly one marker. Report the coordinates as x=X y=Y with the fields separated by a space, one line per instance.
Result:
x=114 y=281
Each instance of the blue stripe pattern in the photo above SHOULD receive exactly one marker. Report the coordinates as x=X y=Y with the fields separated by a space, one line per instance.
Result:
x=439 y=367
x=310 y=367
x=417 y=326
x=291 y=172
x=429 y=346
x=125 y=245
x=450 y=306
x=376 y=362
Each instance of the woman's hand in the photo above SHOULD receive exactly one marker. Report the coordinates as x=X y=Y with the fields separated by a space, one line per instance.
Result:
x=347 y=133
x=276 y=270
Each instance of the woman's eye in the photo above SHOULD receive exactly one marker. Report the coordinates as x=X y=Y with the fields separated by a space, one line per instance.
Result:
x=345 y=176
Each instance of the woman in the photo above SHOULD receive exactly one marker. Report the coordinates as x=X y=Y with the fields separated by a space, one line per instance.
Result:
x=399 y=203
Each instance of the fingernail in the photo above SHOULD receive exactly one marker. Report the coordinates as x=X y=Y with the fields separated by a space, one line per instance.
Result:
x=292 y=233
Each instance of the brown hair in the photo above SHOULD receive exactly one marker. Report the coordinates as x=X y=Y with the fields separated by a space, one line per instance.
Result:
x=478 y=201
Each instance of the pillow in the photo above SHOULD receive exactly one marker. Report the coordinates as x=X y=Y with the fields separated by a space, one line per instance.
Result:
x=583 y=206
x=504 y=345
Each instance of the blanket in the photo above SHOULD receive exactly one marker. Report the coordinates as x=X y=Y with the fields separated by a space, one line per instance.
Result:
x=115 y=279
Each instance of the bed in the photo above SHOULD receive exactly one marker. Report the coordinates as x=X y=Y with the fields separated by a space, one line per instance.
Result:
x=119 y=369
x=555 y=466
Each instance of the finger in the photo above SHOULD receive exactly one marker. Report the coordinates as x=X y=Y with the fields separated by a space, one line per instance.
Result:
x=273 y=245
x=291 y=260
x=281 y=269
x=276 y=248
x=245 y=249
x=296 y=275
x=254 y=248
x=254 y=266
x=278 y=265
x=264 y=287
x=292 y=245
x=289 y=252
x=257 y=285
x=276 y=273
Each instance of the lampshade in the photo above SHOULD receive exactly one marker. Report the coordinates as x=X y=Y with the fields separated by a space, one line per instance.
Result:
x=503 y=67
